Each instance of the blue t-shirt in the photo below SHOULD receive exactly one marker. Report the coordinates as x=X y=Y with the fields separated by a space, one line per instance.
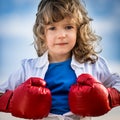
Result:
x=59 y=78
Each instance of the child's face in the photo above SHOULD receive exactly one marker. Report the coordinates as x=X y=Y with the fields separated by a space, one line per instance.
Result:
x=61 y=38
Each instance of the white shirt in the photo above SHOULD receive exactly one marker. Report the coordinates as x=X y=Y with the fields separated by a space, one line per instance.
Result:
x=37 y=67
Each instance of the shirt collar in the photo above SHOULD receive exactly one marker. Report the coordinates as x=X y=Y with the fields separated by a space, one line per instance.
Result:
x=75 y=63
x=43 y=60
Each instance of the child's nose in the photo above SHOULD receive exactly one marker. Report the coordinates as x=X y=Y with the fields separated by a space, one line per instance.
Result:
x=61 y=34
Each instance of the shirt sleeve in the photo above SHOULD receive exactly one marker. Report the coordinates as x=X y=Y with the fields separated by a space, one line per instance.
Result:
x=108 y=78
x=15 y=79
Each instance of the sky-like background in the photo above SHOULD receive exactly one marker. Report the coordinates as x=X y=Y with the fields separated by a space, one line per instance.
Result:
x=17 y=19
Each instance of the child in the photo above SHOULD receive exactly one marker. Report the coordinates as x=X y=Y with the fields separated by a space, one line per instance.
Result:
x=66 y=48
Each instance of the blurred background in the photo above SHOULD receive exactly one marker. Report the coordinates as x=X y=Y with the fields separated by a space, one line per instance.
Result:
x=16 y=22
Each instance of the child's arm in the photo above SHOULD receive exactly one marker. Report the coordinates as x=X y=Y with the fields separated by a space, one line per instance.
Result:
x=29 y=100
x=88 y=97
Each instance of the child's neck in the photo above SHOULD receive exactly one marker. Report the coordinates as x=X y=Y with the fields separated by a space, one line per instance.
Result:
x=58 y=58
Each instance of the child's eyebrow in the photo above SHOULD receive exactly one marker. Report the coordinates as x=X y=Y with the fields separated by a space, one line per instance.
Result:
x=70 y=24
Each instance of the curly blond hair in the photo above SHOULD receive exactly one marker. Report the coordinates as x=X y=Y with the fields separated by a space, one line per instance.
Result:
x=50 y=11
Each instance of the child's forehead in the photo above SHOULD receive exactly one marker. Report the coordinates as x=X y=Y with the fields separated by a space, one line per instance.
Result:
x=66 y=20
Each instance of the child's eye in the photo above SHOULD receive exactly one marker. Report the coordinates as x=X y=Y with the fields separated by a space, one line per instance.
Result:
x=68 y=27
x=52 y=28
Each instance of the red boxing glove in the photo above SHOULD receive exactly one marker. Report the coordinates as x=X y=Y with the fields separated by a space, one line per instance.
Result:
x=88 y=97
x=29 y=100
